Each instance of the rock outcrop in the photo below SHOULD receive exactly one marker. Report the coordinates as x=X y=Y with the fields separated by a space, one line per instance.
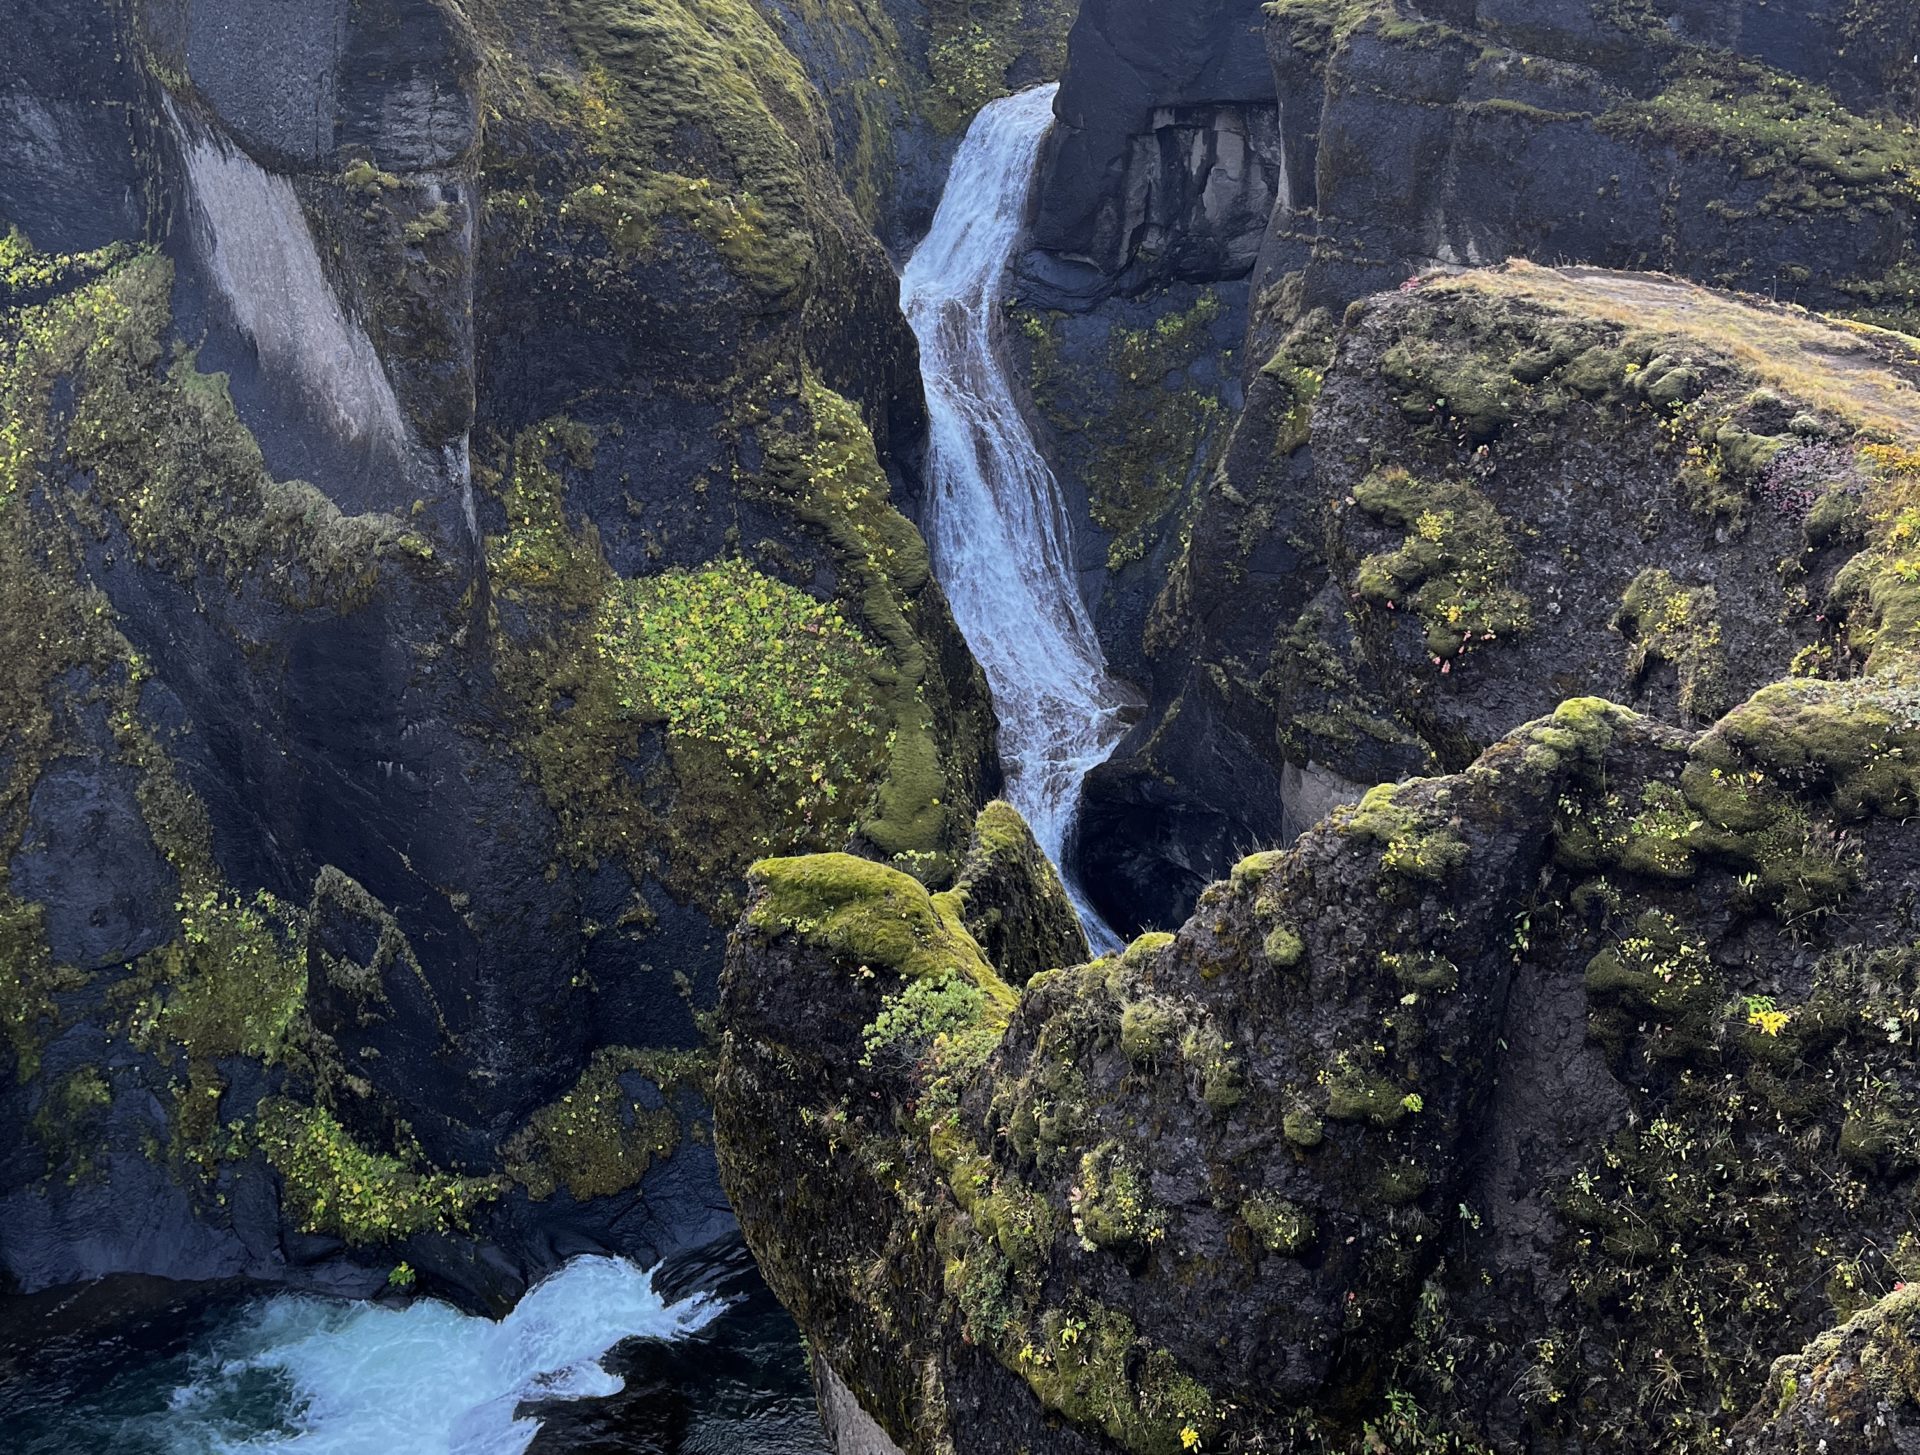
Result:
x=1751 y=146
x=1167 y=159
x=1539 y=1104
x=1760 y=147
x=1855 y=1388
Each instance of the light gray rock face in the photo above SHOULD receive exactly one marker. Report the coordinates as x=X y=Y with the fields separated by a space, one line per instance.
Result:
x=261 y=254
x=850 y=1429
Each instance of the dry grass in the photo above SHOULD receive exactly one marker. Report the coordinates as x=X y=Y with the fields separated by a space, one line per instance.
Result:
x=1866 y=375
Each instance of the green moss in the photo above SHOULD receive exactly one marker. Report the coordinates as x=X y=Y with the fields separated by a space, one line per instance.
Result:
x=231 y=984
x=1749 y=821
x=1208 y=1058
x=1281 y=1226
x=596 y=1139
x=334 y=1185
x=1284 y=948
x=1454 y=569
x=1858 y=740
x=1666 y=622
x=1449 y=379
x=47 y=628
x=1113 y=1208
x=1318 y=27
x=162 y=453
x=1149 y=1030
x=1657 y=971
x=1018 y=1223
x=1412 y=844
x=1421 y=970
x=1401 y=1183
x=1681 y=1232
x=830 y=476
x=1150 y=430
x=68 y=1120
x=1355 y=1094
x=974 y=45
x=1817 y=153
x=655 y=75
x=788 y=726
x=1087 y=1363
x=1303 y=1128
x=871 y=915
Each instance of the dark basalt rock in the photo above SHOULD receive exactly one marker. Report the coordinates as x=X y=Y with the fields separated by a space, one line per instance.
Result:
x=1470 y=133
x=1215 y=1185
x=1166 y=158
x=1856 y=1388
x=342 y=694
x=1012 y=901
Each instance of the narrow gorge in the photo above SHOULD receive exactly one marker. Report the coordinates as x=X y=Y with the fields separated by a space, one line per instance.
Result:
x=994 y=518
x=960 y=727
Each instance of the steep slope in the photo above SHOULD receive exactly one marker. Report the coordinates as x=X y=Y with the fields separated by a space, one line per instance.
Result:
x=1751 y=146
x=366 y=840
x=1397 y=561
x=1765 y=147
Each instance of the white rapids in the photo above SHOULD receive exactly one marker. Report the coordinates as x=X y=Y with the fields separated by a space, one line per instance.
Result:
x=995 y=524
x=342 y=1378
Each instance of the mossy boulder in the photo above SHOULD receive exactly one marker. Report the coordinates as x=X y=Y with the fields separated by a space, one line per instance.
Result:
x=1012 y=900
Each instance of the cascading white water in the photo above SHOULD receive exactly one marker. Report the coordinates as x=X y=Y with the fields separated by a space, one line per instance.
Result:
x=995 y=523
x=310 y=1376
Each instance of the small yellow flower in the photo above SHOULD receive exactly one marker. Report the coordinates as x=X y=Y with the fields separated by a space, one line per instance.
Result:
x=1768 y=1022
x=1189 y=1438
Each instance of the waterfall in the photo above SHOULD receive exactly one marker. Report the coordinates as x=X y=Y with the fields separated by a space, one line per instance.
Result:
x=995 y=524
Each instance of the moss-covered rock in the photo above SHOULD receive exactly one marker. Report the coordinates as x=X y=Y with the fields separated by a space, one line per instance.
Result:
x=1856 y=1387
x=1012 y=901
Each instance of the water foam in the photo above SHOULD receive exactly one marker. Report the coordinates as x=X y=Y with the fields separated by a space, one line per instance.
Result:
x=309 y=1376
x=995 y=524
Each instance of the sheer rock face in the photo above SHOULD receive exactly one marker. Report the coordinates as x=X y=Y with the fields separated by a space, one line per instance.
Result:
x=1167 y=158
x=1627 y=137
x=376 y=371
x=1390 y=136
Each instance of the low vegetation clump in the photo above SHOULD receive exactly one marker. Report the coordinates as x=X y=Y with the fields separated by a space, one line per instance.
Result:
x=1678 y=626
x=1280 y=1226
x=336 y=1186
x=975 y=45
x=1455 y=568
x=872 y=915
x=778 y=683
x=1412 y=844
x=1819 y=153
x=599 y=1138
x=1151 y=426
x=1110 y=1203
